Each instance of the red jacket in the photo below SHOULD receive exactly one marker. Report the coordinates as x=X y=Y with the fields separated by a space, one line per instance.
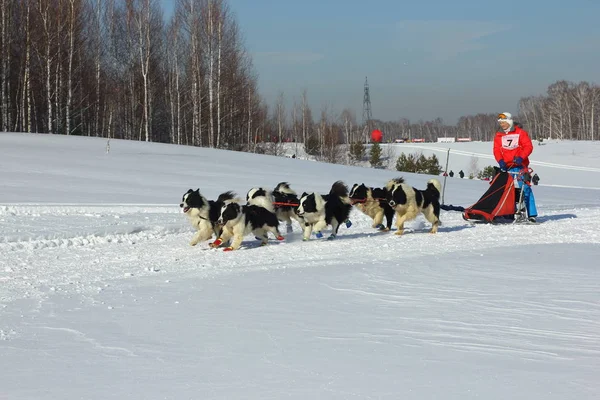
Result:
x=516 y=143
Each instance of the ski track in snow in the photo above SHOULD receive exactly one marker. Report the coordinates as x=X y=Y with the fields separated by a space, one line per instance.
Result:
x=81 y=248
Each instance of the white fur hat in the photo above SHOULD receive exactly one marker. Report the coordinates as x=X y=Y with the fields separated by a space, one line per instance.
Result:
x=506 y=117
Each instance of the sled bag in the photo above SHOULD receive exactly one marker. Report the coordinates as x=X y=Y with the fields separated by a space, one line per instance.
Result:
x=497 y=201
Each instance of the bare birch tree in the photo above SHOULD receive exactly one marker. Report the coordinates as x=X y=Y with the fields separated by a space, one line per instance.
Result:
x=190 y=14
x=5 y=54
x=46 y=49
x=26 y=114
x=74 y=27
x=280 y=117
x=175 y=58
x=348 y=118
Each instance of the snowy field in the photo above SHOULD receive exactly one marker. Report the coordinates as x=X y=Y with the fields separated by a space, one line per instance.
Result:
x=101 y=295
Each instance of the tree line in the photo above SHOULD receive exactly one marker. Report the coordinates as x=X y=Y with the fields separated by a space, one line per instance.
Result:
x=119 y=69
x=568 y=111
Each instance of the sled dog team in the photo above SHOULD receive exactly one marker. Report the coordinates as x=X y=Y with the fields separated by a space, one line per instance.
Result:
x=229 y=220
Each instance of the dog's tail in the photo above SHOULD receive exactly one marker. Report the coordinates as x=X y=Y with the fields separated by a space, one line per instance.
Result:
x=284 y=187
x=393 y=182
x=340 y=190
x=226 y=196
x=434 y=186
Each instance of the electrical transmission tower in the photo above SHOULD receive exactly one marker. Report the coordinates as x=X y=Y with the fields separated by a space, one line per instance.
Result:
x=367 y=117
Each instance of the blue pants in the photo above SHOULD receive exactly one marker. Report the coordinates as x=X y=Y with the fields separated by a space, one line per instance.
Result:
x=527 y=193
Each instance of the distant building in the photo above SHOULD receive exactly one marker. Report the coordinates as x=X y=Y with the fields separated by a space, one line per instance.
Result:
x=446 y=140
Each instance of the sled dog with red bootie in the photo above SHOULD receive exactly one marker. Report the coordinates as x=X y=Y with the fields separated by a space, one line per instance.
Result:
x=240 y=220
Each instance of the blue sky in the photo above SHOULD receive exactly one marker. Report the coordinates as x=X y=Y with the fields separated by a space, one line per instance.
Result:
x=423 y=59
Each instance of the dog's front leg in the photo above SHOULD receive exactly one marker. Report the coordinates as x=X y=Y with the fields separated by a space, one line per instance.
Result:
x=203 y=233
x=238 y=237
x=400 y=224
x=378 y=220
x=226 y=234
x=196 y=239
x=307 y=231
x=319 y=226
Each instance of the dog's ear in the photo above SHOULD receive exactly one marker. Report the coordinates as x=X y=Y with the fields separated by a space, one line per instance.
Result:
x=198 y=190
x=304 y=194
x=189 y=191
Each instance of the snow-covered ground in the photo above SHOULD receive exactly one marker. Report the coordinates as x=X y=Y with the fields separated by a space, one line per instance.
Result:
x=101 y=295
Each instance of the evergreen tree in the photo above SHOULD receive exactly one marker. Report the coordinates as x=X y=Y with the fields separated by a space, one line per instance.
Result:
x=312 y=145
x=375 y=155
x=433 y=166
x=422 y=165
x=406 y=163
x=357 y=152
x=487 y=172
x=419 y=164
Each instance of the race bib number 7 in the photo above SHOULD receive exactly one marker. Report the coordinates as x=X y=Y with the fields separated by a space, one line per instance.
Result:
x=510 y=141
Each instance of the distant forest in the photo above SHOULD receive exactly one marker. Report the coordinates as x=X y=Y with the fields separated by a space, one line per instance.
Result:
x=118 y=69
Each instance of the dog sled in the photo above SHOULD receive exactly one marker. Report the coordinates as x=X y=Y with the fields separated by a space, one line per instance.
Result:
x=502 y=202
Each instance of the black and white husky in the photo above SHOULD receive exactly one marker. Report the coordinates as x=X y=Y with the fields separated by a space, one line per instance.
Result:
x=408 y=202
x=286 y=204
x=203 y=213
x=283 y=201
x=373 y=202
x=240 y=220
x=319 y=211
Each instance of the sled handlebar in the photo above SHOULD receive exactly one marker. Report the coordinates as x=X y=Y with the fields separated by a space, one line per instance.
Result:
x=521 y=172
x=523 y=175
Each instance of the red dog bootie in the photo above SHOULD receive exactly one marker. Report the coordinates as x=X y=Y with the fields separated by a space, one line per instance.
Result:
x=216 y=243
